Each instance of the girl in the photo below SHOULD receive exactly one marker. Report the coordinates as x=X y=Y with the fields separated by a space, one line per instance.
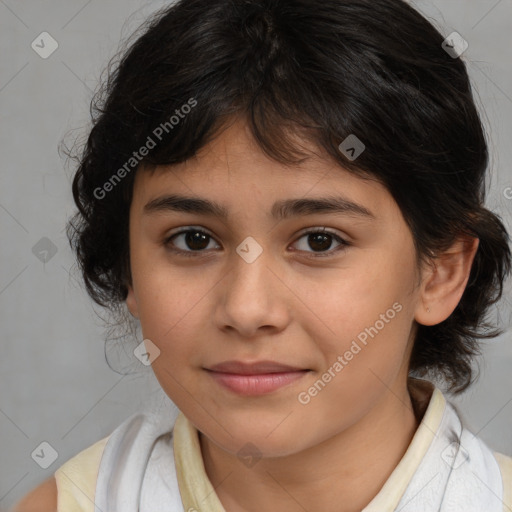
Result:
x=288 y=195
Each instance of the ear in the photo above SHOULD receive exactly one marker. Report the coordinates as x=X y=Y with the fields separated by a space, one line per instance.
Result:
x=131 y=302
x=444 y=282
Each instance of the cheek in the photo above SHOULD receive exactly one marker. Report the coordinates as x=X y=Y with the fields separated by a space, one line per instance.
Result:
x=165 y=291
x=171 y=306
x=171 y=314
x=364 y=357
x=365 y=313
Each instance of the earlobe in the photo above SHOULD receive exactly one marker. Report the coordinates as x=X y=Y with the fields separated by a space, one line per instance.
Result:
x=131 y=302
x=443 y=285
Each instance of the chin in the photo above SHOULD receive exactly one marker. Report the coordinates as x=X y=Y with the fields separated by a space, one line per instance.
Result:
x=260 y=441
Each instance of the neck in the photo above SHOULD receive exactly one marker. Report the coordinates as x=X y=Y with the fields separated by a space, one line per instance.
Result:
x=342 y=474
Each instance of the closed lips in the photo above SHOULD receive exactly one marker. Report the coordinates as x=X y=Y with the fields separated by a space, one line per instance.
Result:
x=256 y=368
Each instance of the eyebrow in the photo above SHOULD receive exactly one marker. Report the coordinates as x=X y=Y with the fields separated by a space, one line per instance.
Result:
x=280 y=210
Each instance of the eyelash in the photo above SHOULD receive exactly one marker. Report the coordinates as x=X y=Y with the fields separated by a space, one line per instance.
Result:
x=344 y=244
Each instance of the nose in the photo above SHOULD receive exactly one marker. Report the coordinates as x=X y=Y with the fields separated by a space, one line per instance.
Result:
x=254 y=299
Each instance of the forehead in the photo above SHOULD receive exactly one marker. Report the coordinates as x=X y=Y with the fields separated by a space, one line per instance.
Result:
x=233 y=148
x=232 y=169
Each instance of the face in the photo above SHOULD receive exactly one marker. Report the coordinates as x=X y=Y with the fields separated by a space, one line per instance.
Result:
x=327 y=292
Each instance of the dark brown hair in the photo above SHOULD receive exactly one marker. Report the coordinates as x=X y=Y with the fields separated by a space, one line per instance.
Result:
x=375 y=69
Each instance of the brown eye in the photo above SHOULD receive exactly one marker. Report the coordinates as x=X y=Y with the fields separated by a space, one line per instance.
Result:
x=320 y=241
x=188 y=241
x=194 y=241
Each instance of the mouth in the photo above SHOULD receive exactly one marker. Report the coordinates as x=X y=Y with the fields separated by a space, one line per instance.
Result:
x=251 y=379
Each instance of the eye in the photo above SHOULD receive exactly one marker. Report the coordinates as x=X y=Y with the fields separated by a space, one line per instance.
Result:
x=195 y=240
x=192 y=238
x=321 y=240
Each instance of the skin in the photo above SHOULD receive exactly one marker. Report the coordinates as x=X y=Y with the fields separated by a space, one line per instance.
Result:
x=335 y=452
x=41 y=499
x=292 y=306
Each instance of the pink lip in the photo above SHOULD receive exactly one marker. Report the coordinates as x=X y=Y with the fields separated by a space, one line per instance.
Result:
x=255 y=368
x=254 y=378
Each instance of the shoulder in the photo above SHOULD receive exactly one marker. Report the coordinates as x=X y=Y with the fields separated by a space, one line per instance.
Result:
x=72 y=486
x=505 y=464
x=76 y=479
x=41 y=499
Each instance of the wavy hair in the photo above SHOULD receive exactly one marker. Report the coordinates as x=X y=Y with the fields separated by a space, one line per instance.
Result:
x=324 y=70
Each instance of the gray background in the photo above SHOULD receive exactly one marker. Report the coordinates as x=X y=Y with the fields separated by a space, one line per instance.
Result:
x=55 y=383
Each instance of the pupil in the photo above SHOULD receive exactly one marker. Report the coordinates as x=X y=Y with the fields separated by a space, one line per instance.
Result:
x=324 y=241
x=194 y=237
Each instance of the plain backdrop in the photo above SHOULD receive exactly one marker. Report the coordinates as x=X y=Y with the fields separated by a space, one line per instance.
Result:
x=56 y=386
